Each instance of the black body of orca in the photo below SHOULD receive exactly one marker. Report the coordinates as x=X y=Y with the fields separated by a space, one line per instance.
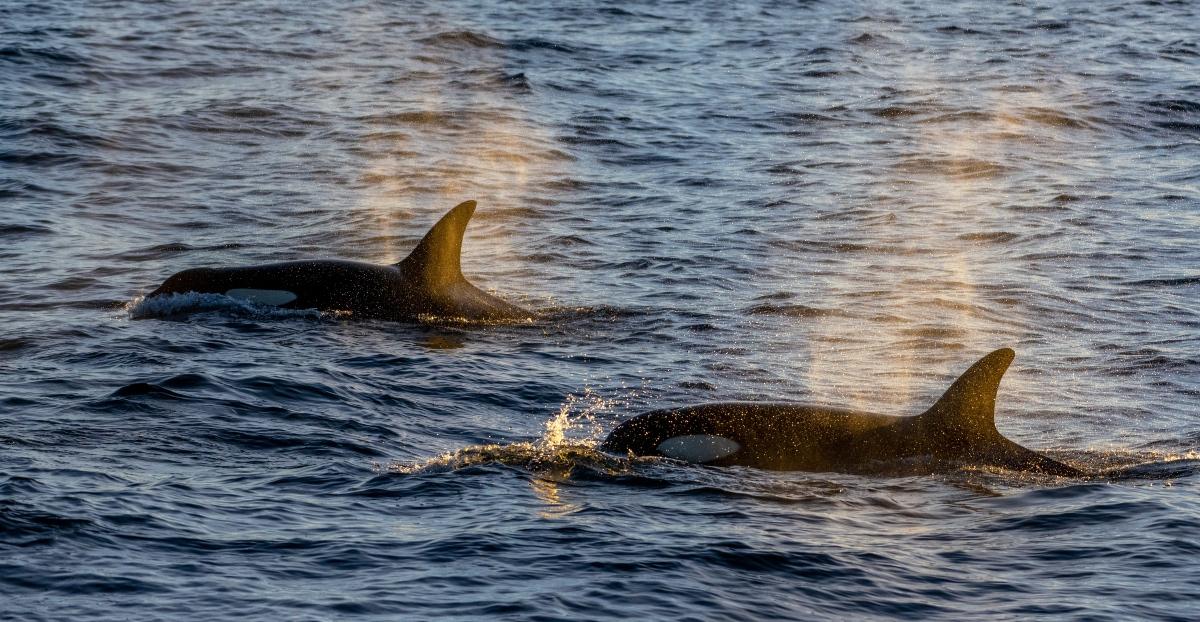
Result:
x=429 y=282
x=959 y=430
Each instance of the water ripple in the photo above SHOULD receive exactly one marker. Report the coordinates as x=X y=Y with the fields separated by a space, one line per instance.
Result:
x=831 y=203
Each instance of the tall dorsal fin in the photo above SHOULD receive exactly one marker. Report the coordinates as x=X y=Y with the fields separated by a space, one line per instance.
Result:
x=436 y=258
x=968 y=408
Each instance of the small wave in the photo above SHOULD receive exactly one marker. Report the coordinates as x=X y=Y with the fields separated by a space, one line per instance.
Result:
x=11 y=188
x=198 y=69
x=1174 y=467
x=139 y=389
x=1179 y=115
x=42 y=158
x=518 y=82
x=1174 y=106
x=59 y=133
x=570 y=240
x=23 y=54
x=534 y=43
x=461 y=38
x=1077 y=518
x=1046 y=116
x=1182 y=281
x=1051 y=25
x=794 y=310
x=789 y=119
x=1121 y=464
x=1179 y=126
x=16 y=343
x=823 y=246
x=998 y=237
x=812 y=566
x=871 y=39
x=158 y=251
x=959 y=30
x=968 y=168
x=24 y=230
x=430 y=118
x=72 y=284
x=963 y=116
x=247 y=112
x=21 y=521
x=305 y=444
x=901 y=112
x=935 y=332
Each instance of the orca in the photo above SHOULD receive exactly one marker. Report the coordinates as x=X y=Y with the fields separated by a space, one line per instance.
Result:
x=427 y=284
x=958 y=431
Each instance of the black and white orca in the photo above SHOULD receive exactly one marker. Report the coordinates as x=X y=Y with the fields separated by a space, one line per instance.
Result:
x=959 y=430
x=428 y=283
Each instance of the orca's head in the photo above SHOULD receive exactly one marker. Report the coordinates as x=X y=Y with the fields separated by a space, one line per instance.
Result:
x=638 y=436
x=672 y=434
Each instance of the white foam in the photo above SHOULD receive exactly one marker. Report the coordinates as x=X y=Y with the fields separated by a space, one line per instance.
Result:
x=698 y=447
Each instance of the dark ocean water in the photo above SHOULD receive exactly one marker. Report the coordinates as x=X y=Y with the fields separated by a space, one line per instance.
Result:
x=832 y=202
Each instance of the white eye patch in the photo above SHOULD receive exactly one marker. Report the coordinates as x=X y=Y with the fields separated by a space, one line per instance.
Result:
x=698 y=447
x=273 y=297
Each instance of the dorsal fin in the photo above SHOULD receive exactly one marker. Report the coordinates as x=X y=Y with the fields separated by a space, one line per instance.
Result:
x=436 y=258
x=968 y=408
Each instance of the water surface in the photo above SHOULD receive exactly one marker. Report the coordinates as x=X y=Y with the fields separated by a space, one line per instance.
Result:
x=832 y=202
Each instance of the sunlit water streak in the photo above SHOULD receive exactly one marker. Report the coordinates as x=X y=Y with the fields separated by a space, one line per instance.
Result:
x=843 y=203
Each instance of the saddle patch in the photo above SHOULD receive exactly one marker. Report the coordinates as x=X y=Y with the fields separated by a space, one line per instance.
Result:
x=698 y=448
x=273 y=297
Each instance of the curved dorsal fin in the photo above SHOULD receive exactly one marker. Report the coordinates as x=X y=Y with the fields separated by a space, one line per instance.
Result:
x=968 y=408
x=436 y=258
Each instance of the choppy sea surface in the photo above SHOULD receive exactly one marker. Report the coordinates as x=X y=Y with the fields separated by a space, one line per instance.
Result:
x=843 y=203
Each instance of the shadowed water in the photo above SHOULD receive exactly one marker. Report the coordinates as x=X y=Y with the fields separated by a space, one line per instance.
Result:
x=839 y=203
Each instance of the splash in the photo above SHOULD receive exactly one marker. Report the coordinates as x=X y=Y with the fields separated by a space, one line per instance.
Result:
x=577 y=412
x=569 y=441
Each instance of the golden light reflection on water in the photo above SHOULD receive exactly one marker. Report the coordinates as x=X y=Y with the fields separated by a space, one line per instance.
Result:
x=547 y=491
